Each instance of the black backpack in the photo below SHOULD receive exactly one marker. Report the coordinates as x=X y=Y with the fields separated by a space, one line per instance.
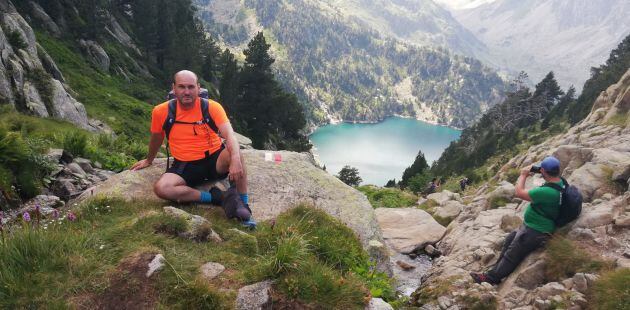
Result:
x=570 y=205
x=172 y=113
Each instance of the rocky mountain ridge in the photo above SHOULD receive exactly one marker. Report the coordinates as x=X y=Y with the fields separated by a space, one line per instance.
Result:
x=595 y=157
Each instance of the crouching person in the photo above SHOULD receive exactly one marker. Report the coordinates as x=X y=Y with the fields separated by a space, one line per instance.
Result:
x=538 y=223
x=192 y=125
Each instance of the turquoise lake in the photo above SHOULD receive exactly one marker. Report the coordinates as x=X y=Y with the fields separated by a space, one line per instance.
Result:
x=380 y=151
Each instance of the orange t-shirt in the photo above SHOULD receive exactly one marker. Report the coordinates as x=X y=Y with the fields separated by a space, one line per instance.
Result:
x=189 y=142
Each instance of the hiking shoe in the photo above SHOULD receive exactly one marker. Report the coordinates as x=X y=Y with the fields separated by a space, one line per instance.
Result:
x=481 y=277
x=251 y=223
x=217 y=196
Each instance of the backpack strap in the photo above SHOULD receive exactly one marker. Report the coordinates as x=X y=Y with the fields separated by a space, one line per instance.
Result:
x=170 y=118
x=205 y=113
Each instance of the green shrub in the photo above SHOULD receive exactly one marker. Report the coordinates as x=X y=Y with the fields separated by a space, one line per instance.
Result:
x=512 y=175
x=75 y=142
x=497 y=202
x=564 y=259
x=388 y=197
x=418 y=183
x=16 y=40
x=612 y=290
x=170 y=225
x=195 y=295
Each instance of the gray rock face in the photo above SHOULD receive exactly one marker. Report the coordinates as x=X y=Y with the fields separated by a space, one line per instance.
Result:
x=33 y=101
x=49 y=64
x=408 y=229
x=505 y=190
x=6 y=95
x=67 y=108
x=40 y=15
x=254 y=297
x=116 y=31
x=96 y=53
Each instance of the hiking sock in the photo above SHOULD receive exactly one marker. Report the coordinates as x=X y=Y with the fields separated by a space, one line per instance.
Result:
x=206 y=197
x=244 y=198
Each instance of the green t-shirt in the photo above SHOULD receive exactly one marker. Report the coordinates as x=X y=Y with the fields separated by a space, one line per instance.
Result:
x=546 y=199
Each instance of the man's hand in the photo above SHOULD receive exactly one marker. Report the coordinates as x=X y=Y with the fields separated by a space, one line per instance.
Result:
x=236 y=169
x=141 y=164
x=526 y=171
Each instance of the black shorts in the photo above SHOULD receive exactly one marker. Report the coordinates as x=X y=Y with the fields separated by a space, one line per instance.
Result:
x=198 y=171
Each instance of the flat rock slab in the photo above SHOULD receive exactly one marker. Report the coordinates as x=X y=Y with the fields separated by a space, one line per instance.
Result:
x=275 y=186
x=408 y=229
x=254 y=297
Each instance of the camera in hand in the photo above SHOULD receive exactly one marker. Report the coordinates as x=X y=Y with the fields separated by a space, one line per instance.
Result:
x=535 y=169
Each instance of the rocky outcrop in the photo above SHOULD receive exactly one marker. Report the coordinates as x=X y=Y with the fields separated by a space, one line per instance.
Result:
x=96 y=54
x=22 y=61
x=274 y=187
x=594 y=156
x=42 y=17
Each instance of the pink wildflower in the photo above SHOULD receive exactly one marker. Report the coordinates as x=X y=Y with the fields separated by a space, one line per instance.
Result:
x=71 y=217
x=55 y=214
x=26 y=217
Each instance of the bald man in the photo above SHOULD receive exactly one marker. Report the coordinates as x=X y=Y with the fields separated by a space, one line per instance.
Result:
x=198 y=150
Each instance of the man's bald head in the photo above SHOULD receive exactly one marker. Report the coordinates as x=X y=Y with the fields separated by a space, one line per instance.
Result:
x=186 y=88
x=185 y=73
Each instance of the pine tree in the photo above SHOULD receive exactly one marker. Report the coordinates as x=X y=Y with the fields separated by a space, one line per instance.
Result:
x=228 y=86
x=548 y=90
x=419 y=166
x=349 y=175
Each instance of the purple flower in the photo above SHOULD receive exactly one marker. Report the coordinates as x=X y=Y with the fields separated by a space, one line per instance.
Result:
x=71 y=217
x=37 y=208
x=55 y=214
x=26 y=217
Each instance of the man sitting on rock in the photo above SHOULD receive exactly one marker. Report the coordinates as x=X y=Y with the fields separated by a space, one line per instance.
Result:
x=197 y=148
x=538 y=224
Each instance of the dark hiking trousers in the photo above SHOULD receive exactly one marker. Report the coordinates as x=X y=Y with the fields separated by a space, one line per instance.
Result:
x=518 y=244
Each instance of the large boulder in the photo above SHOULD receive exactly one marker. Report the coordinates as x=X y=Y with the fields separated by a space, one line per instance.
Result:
x=444 y=196
x=34 y=101
x=449 y=209
x=408 y=229
x=96 y=53
x=199 y=228
x=42 y=17
x=67 y=108
x=274 y=187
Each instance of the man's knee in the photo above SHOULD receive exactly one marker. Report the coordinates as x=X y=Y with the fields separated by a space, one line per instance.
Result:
x=160 y=188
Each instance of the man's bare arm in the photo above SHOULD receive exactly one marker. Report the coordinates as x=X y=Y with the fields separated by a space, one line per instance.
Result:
x=520 y=184
x=154 y=146
x=236 y=168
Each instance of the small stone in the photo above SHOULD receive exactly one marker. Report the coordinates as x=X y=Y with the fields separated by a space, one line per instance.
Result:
x=156 y=265
x=579 y=283
x=255 y=296
x=404 y=265
x=568 y=283
x=444 y=302
x=623 y=221
x=626 y=254
x=413 y=255
x=211 y=270
x=378 y=304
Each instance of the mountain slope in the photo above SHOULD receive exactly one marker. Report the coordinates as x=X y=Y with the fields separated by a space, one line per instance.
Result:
x=537 y=36
x=346 y=71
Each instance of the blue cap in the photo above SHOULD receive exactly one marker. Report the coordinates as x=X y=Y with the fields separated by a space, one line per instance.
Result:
x=550 y=164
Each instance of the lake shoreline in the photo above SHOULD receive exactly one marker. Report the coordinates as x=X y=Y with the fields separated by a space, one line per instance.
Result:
x=314 y=128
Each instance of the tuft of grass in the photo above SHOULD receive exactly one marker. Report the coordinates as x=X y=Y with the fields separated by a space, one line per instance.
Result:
x=565 y=259
x=444 y=221
x=512 y=175
x=619 y=119
x=497 y=202
x=321 y=284
x=75 y=142
x=195 y=295
x=611 y=290
x=169 y=225
x=388 y=197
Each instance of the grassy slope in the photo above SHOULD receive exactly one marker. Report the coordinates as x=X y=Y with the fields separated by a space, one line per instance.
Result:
x=314 y=259
x=106 y=97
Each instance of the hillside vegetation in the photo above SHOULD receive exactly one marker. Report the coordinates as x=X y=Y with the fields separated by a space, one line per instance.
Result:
x=349 y=72
x=526 y=118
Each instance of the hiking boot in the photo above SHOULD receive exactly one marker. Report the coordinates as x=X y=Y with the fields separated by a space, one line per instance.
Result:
x=217 y=196
x=481 y=277
x=251 y=223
